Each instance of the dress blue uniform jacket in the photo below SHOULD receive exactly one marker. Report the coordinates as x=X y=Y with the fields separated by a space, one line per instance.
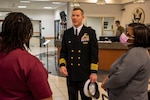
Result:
x=79 y=53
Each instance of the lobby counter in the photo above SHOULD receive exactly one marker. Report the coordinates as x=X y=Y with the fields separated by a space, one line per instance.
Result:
x=108 y=53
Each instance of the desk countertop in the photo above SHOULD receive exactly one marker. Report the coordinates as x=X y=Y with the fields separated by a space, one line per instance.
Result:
x=102 y=45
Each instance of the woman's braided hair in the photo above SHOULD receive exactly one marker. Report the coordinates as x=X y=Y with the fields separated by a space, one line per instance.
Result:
x=16 y=32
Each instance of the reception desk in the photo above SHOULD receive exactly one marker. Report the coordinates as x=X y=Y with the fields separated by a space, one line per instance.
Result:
x=108 y=53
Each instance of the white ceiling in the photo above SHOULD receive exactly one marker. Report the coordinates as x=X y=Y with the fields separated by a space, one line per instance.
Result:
x=39 y=4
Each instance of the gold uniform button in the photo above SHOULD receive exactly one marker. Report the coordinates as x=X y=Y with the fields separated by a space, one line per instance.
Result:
x=72 y=50
x=79 y=51
x=78 y=64
x=78 y=57
x=71 y=64
x=71 y=57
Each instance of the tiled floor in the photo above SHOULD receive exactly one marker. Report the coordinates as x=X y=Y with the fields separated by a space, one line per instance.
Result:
x=57 y=83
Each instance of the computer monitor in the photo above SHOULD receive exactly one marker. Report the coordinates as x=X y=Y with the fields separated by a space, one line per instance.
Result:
x=63 y=16
x=109 y=38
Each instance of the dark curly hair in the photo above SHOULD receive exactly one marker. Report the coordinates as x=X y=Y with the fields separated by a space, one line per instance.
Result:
x=141 y=35
x=16 y=32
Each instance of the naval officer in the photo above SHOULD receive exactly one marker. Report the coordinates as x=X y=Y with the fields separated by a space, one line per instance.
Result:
x=79 y=55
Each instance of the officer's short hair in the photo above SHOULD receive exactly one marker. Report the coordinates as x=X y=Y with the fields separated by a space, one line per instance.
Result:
x=78 y=8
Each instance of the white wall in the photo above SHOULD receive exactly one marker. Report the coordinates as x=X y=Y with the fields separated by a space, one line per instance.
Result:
x=94 y=10
x=129 y=8
x=47 y=20
x=95 y=23
x=57 y=11
x=116 y=11
x=46 y=17
x=102 y=10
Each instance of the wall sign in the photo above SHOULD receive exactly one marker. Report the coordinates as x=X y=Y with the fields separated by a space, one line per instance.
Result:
x=138 y=15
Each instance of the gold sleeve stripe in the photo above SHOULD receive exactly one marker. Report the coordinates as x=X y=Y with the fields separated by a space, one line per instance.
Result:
x=62 y=60
x=94 y=66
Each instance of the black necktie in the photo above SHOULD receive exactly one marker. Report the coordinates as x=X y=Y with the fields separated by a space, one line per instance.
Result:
x=76 y=32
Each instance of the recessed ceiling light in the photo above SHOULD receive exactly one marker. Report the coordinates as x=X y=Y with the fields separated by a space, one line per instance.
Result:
x=75 y=4
x=101 y=2
x=22 y=6
x=25 y=1
x=47 y=7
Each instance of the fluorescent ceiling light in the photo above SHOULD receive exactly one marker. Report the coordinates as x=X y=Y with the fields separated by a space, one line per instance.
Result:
x=25 y=1
x=100 y=2
x=139 y=1
x=22 y=6
x=56 y=3
x=47 y=7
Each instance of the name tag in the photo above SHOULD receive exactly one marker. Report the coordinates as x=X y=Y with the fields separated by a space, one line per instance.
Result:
x=84 y=42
